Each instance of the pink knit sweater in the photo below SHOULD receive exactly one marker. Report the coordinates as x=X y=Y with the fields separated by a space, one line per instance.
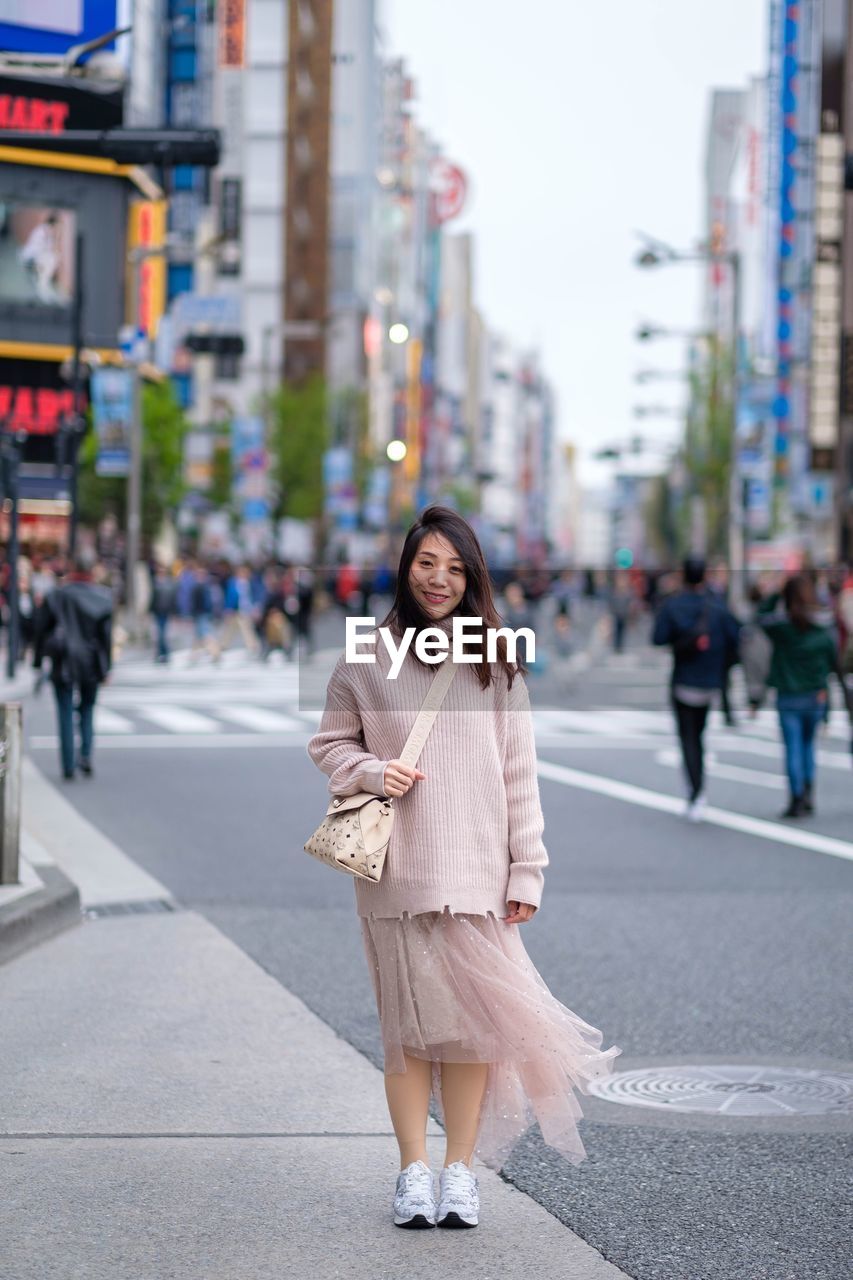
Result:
x=468 y=836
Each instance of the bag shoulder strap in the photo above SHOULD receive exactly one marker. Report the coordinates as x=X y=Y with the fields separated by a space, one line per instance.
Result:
x=428 y=711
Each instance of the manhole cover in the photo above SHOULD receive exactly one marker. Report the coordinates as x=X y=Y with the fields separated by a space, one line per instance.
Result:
x=731 y=1090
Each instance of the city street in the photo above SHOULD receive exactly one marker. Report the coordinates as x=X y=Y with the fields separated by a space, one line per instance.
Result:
x=722 y=944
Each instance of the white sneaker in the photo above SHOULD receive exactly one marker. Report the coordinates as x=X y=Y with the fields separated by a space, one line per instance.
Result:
x=459 y=1197
x=414 y=1201
x=696 y=809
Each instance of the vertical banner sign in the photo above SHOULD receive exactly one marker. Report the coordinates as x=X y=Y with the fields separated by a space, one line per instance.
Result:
x=341 y=495
x=112 y=407
x=412 y=460
x=232 y=33
x=251 y=468
x=787 y=235
x=147 y=229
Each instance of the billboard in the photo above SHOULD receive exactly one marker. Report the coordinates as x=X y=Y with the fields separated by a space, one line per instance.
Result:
x=36 y=253
x=53 y=26
x=36 y=257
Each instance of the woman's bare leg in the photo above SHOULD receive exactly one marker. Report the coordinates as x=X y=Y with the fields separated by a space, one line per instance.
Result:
x=408 y=1094
x=463 y=1085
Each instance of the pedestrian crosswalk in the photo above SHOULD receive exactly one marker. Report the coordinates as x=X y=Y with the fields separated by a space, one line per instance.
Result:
x=243 y=703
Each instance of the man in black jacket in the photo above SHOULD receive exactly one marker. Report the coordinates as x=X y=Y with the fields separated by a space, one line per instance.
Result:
x=73 y=628
x=704 y=636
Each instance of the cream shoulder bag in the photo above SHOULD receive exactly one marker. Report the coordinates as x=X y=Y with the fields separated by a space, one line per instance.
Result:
x=354 y=835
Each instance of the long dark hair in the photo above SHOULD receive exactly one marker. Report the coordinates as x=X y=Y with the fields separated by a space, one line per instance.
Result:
x=800 y=600
x=477 y=601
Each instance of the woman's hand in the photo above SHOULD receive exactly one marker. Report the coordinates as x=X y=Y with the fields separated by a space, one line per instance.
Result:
x=519 y=913
x=399 y=778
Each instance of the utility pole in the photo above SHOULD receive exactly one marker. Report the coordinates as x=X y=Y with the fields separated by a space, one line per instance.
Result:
x=736 y=512
x=844 y=457
x=77 y=425
x=134 y=475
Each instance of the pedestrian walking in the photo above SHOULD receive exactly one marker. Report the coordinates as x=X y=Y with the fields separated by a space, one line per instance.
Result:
x=804 y=655
x=621 y=603
x=241 y=611
x=201 y=612
x=755 y=653
x=164 y=604
x=703 y=635
x=464 y=1013
x=275 y=627
x=719 y=585
x=73 y=628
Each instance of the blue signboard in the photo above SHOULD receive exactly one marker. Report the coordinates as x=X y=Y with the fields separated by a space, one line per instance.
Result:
x=251 y=468
x=53 y=26
x=112 y=410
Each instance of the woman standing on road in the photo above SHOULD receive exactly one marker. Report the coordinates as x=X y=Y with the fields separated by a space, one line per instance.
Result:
x=464 y=1013
x=804 y=654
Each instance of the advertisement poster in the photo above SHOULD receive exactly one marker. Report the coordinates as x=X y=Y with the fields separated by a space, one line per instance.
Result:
x=112 y=409
x=36 y=254
x=251 y=466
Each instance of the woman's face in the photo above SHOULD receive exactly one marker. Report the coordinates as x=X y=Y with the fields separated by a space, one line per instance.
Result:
x=437 y=576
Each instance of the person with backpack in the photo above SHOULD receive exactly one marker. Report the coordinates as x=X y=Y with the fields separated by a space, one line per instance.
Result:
x=704 y=638
x=73 y=628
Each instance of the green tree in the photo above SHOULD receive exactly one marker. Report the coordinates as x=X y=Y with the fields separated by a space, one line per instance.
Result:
x=163 y=429
x=708 y=443
x=299 y=435
x=222 y=467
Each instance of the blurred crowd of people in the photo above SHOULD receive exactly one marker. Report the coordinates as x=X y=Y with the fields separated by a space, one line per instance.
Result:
x=790 y=633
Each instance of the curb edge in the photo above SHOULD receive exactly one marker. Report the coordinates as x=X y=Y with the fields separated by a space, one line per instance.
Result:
x=39 y=915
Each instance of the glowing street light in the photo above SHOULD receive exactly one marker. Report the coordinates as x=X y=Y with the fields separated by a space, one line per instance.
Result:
x=398 y=333
x=396 y=450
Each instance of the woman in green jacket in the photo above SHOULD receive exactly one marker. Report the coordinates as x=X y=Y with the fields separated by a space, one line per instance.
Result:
x=804 y=654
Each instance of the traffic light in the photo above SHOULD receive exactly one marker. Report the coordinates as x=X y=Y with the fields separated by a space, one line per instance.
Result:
x=624 y=558
x=215 y=344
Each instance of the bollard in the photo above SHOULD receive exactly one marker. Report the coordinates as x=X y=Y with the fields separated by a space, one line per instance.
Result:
x=11 y=735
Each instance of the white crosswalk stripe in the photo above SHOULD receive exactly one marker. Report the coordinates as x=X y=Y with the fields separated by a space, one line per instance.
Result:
x=107 y=721
x=179 y=719
x=259 y=718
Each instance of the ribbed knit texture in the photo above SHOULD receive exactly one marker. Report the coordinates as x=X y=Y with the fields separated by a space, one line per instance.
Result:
x=468 y=836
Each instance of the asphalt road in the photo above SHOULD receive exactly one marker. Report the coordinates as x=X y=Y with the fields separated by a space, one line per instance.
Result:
x=709 y=944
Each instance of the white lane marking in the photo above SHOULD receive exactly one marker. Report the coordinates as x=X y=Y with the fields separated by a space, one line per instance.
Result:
x=732 y=772
x=259 y=718
x=182 y=741
x=107 y=721
x=646 y=799
x=180 y=720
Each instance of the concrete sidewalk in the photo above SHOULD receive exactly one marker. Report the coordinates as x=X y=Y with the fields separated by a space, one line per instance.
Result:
x=170 y=1112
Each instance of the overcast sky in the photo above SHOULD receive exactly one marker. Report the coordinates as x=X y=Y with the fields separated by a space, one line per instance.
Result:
x=578 y=122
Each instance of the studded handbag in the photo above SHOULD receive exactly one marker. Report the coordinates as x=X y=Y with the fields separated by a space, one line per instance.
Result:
x=356 y=831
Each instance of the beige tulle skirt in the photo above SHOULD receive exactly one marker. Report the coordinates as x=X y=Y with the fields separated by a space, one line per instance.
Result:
x=462 y=988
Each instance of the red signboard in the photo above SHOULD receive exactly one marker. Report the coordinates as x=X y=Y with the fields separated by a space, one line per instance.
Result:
x=449 y=187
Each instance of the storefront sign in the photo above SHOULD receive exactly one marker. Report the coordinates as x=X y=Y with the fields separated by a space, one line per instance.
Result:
x=232 y=33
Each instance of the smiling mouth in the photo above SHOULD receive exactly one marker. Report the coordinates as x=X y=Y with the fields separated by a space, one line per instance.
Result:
x=434 y=599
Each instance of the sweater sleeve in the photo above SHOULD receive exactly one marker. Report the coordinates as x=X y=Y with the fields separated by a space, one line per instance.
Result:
x=527 y=852
x=338 y=746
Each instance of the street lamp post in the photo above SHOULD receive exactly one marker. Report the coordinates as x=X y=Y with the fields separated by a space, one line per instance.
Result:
x=656 y=254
